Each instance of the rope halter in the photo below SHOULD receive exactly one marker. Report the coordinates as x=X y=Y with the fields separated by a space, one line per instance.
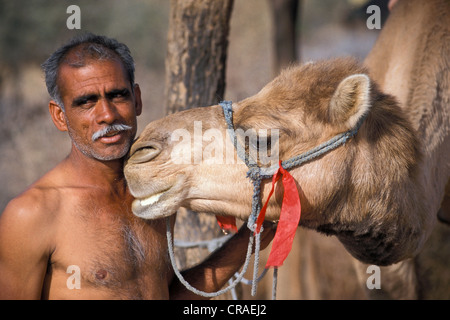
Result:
x=256 y=174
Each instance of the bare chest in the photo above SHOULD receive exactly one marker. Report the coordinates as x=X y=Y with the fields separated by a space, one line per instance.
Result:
x=105 y=251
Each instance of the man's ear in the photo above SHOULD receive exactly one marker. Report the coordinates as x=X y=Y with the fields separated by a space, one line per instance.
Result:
x=137 y=98
x=350 y=101
x=58 y=117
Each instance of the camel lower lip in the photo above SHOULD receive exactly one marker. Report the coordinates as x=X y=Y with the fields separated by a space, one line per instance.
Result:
x=150 y=200
x=151 y=207
x=162 y=202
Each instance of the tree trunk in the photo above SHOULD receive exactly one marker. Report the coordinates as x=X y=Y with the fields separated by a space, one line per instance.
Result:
x=195 y=77
x=284 y=21
x=196 y=54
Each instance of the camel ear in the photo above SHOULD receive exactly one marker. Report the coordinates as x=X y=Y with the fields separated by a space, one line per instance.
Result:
x=350 y=101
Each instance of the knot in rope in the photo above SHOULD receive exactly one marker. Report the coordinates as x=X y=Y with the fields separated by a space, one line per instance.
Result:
x=256 y=174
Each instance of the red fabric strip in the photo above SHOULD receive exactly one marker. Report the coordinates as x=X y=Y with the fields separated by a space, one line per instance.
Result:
x=262 y=213
x=288 y=224
x=227 y=223
x=289 y=218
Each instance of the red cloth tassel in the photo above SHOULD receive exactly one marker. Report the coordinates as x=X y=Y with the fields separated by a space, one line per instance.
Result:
x=287 y=225
x=289 y=218
x=227 y=223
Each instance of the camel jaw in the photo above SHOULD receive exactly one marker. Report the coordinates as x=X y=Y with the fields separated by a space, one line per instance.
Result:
x=148 y=201
x=159 y=203
x=156 y=206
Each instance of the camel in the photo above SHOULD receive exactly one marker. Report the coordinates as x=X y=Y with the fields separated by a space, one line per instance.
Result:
x=379 y=193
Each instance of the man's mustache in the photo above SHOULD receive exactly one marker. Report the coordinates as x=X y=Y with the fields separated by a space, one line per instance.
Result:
x=110 y=128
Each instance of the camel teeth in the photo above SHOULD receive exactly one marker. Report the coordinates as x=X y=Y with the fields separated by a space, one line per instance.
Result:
x=151 y=200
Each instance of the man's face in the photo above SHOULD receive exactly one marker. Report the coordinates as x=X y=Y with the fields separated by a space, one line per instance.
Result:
x=100 y=108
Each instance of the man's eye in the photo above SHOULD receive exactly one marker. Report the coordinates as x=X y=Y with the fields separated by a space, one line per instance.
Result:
x=85 y=102
x=123 y=94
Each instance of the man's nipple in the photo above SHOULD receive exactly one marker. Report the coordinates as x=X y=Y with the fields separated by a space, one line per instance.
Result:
x=101 y=274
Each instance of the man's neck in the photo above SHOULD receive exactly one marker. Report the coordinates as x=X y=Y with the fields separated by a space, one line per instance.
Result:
x=102 y=174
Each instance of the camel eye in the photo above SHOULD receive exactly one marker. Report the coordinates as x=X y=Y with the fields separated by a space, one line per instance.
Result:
x=143 y=152
x=263 y=147
x=261 y=142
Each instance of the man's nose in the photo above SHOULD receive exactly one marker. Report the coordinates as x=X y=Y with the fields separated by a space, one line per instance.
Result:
x=106 y=111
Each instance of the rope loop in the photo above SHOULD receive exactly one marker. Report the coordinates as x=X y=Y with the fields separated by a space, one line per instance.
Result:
x=187 y=284
x=256 y=174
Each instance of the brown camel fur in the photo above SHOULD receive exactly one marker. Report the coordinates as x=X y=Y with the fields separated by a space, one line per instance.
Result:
x=379 y=193
x=362 y=192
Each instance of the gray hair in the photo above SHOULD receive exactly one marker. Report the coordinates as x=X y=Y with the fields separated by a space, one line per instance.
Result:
x=89 y=46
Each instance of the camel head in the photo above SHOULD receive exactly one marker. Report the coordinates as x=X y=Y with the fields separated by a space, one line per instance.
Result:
x=356 y=192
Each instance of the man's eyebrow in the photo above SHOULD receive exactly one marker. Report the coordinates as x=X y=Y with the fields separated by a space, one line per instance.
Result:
x=115 y=92
x=83 y=99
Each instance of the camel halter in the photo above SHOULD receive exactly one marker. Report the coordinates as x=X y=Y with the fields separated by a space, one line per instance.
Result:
x=290 y=220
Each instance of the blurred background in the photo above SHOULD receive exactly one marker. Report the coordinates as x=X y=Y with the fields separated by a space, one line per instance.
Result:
x=30 y=30
x=30 y=145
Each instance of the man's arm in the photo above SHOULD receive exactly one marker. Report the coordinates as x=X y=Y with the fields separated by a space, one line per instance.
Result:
x=212 y=274
x=23 y=249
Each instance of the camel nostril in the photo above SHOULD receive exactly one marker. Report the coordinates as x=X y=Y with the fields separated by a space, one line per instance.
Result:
x=143 y=152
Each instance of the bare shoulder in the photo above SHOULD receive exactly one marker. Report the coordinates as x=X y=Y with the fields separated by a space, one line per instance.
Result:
x=31 y=213
x=27 y=241
x=29 y=207
x=27 y=215
x=36 y=199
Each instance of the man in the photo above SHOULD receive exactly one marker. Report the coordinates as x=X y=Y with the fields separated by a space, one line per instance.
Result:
x=72 y=235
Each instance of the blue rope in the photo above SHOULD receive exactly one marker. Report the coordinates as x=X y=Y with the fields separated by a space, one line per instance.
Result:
x=180 y=277
x=256 y=174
